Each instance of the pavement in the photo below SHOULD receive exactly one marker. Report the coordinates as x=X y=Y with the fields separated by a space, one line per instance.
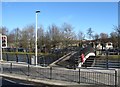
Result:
x=24 y=80
x=12 y=82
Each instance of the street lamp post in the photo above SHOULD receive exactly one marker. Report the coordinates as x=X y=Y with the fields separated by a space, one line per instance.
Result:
x=1 y=47
x=36 y=38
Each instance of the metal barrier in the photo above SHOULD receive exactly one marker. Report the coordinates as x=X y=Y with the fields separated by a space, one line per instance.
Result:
x=88 y=76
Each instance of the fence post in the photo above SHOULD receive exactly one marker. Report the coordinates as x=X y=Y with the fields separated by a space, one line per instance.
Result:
x=28 y=61
x=115 y=78
x=107 y=59
x=28 y=70
x=1 y=68
x=6 y=56
x=10 y=67
x=16 y=58
x=79 y=75
x=50 y=72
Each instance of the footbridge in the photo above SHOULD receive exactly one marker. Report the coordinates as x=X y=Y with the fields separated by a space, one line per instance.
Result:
x=87 y=56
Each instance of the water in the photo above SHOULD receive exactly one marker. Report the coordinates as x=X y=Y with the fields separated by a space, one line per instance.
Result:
x=46 y=60
x=104 y=63
x=27 y=58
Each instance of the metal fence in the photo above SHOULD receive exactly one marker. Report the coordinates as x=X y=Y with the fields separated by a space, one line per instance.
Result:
x=43 y=60
x=87 y=76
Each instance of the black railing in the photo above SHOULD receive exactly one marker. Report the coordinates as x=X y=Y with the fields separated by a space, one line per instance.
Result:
x=80 y=75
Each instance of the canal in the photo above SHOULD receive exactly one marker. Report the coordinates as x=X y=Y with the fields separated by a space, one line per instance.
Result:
x=45 y=60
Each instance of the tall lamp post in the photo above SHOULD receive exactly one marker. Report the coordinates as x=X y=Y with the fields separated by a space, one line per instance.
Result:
x=1 y=47
x=36 y=38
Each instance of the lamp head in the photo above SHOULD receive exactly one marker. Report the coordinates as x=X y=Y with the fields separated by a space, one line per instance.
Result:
x=37 y=11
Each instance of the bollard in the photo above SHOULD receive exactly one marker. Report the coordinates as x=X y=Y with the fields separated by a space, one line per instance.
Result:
x=10 y=67
x=50 y=72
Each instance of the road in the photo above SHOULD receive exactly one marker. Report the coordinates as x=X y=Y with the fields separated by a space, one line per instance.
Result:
x=8 y=82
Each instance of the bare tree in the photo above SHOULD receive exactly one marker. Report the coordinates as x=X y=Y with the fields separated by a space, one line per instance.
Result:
x=90 y=33
x=103 y=36
x=4 y=30
x=41 y=38
x=117 y=29
x=81 y=37
x=113 y=36
x=27 y=37
x=48 y=41
x=54 y=34
x=68 y=34
x=96 y=36
x=11 y=40
x=14 y=37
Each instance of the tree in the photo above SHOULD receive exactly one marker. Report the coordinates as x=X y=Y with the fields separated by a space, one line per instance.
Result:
x=68 y=34
x=103 y=38
x=48 y=41
x=90 y=33
x=81 y=37
x=27 y=37
x=96 y=37
x=113 y=36
x=4 y=30
x=14 y=37
x=41 y=38
x=117 y=29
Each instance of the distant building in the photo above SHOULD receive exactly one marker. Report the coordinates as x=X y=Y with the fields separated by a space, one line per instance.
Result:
x=99 y=46
x=109 y=45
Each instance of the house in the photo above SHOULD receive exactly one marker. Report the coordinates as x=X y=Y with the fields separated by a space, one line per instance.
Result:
x=109 y=45
x=99 y=46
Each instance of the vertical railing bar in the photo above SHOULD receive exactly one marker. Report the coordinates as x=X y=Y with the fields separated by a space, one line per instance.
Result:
x=115 y=78
x=28 y=69
x=10 y=67
x=50 y=72
x=79 y=75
